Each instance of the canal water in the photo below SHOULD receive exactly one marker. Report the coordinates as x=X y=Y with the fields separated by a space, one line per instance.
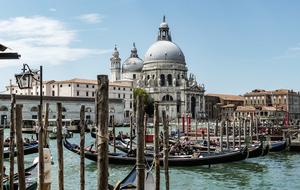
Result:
x=274 y=171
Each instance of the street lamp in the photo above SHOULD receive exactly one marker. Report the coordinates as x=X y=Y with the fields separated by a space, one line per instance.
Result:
x=24 y=81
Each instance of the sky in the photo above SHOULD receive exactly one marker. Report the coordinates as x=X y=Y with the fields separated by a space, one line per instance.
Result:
x=232 y=46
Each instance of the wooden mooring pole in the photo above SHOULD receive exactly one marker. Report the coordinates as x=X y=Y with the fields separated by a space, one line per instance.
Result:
x=227 y=134
x=1 y=158
x=240 y=133
x=131 y=135
x=166 y=149
x=140 y=159
x=82 y=141
x=45 y=129
x=145 y=125
x=41 y=149
x=60 y=155
x=208 y=137
x=20 y=147
x=221 y=134
x=156 y=146
x=12 y=141
x=233 y=133
x=114 y=132
x=102 y=144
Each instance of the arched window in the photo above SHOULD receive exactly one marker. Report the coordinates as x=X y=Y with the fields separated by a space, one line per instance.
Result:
x=169 y=78
x=64 y=109
x=162 y=80
x=167 y=98
x=3 y=108
x=34 y=109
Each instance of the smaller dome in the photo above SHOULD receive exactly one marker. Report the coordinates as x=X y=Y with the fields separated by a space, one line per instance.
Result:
x=133 y=63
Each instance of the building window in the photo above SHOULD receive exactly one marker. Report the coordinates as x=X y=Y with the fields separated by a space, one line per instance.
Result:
x=124 y=89
x=130 y=96
x=114 y=88
x=31 y=93
x=93 y=94
x=119 y=95
x=123 y=95
x=130 y=89
x=69 y=85
x=119 y=88
x=43 y=86
x=77 y=93
x=77 y=85
x=53 y=93
x=87 y=93
x=130 y=105
x=61 y=85
x=16 y=91
x=134 y=76
x=87 y=86
x=93 y=86
x=169 y=78
x=162 y=80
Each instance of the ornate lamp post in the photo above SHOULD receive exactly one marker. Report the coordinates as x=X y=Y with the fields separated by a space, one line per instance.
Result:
x=24 y=81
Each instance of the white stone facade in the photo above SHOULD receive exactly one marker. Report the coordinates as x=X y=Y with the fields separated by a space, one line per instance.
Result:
x=71 y=107
x=164 y=75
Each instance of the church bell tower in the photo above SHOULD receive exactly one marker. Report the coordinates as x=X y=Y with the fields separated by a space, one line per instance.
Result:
x=115 y=65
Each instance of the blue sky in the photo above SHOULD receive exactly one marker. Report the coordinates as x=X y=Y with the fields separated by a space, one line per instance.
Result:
x=231 y=46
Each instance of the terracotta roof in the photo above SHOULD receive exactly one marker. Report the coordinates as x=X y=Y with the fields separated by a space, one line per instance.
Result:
x=258 y=92
x=227 y=97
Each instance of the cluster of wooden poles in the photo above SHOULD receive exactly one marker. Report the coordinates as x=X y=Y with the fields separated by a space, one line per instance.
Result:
x=101 y=140
x=141 y=123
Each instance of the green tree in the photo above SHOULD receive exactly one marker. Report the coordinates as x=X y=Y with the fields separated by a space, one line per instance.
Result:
x=148 y=101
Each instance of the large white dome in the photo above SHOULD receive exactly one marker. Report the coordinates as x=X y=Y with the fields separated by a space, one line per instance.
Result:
x=164 y=50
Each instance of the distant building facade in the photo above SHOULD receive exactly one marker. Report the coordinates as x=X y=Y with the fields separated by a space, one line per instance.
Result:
x=220 y=106
x=80 y=88
x=71 y=107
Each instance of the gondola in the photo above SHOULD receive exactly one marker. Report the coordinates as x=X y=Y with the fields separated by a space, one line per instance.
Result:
x=94 y=134
x=28 y=149
x=277 y=146
x=258 y=150
x=26 y=143
x=129 y=182
x=30 y=179
x=184 y=160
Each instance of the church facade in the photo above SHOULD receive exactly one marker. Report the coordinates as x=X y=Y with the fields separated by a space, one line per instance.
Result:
x=164 y=75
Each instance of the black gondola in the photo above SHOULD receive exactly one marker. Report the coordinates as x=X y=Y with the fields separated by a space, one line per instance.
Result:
x=30 y=179
x=277 y=146
x=28 y=149
x=258 y=150
x=186 y=160
x=129 y=182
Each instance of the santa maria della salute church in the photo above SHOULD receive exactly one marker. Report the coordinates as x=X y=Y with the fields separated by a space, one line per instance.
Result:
x=163 y=74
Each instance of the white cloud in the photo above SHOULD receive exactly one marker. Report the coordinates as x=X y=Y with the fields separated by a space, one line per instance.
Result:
x=41 y=40
x=290 y=53
x=52 y=9
x=91 y=18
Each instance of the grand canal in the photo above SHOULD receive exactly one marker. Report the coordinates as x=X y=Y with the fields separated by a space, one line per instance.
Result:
x=274 y=171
